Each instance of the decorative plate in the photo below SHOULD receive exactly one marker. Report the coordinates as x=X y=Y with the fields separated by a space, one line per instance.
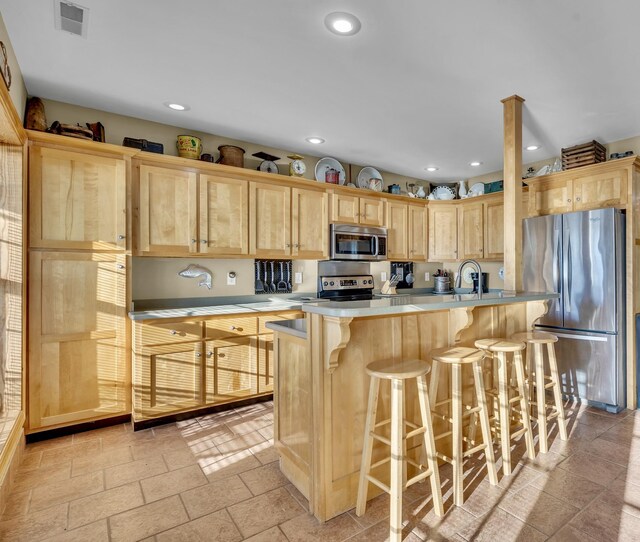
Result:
x=376 y=185
x=466 y=275
x=327 y=163
x=476 y=190
x=443 y=192
x=365 y=174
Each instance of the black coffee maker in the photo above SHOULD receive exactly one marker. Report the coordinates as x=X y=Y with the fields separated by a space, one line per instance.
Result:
x=485 y=283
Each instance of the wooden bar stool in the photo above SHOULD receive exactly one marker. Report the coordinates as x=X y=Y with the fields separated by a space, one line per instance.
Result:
x=456 y=358
x=499 y=348
x=543 y=383
x=397 y=373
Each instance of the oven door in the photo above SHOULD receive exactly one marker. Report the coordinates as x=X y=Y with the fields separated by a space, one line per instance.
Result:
x=357 y=243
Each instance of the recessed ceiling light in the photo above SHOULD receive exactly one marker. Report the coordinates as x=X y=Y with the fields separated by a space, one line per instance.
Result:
x=532 y=147
x=315 y=140
x=475 y=164
x=342 y=24
x=176 y=106
x=431 y=168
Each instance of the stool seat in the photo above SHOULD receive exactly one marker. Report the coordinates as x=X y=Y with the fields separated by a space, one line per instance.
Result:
x=399 y=370
x=457 y=354
x=535 y=337
x=498 y=344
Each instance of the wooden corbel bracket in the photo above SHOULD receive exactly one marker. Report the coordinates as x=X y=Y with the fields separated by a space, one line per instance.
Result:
x=336 y=335
x=459 y=320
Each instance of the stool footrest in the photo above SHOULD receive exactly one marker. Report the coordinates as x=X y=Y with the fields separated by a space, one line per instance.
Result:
x=377 y=482
x=378 y=463
x=417 y=431
x=473 y=450
x=418 y=477
x=380 y=438
x=442 y=435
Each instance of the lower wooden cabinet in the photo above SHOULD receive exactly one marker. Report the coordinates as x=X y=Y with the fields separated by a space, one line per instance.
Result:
x=78 y=363
x=211 y=361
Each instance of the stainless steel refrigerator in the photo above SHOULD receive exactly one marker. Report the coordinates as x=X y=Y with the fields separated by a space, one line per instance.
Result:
x=582 y=257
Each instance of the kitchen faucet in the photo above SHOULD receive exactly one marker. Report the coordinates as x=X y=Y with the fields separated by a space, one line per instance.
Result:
x=479 y=271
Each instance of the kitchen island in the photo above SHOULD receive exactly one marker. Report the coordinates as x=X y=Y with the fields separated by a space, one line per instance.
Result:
x=321 y=386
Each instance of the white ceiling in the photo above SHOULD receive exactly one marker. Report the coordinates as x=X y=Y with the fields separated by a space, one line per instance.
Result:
x=420 y=84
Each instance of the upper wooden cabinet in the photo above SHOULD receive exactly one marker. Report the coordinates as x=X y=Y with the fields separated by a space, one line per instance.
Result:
x=78 y=368
x=348 y=209
x=494 y=229
x=167 y=212
x=443 y=232
x=309 y=224
x=407 y=232
x=77 y=200
x=224 y=216
x=575 y=190
x=471 y=231
x=269 y=220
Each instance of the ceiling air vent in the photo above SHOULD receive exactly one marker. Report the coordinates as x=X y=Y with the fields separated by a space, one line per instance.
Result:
x=71 y=18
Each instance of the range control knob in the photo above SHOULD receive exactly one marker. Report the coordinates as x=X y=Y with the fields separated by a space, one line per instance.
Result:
x=370 y=281
x=325 y=283
x=331 y=283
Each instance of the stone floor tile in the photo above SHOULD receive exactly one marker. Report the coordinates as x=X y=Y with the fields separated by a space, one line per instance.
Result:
x=570 y=534
x=592 y=468
x=230 y=466
x=265 y=452
x=625 y=432
x=214 y=496
x=502 y=526
x=104 y=504
x=625 y=494
x=520 y=476
x=35 y=526
x=264 y=511
x=263 y=479
x=539 y=509
x=483 y=498
x=217 y=419
x=101 y=432
x=66 y=490
x=134 y=470
x=148 y=520
x=215 y=527
x=17 y=504
x=44 y=475
x=544 y=462
x=240 y=443
x=157 y=446
x=380 y=533
x=306 y=528
x=604 y=520
x=270 y=535
x=171 y=483
x=49 y=444
x=94 y=532
x=31 y=461
x=302 y=500
x=615 y=452
x=600 y=423
x=244 y=425
x=65 y=454
x=427 y=526
x=267 y=432
x=568 y=487
x=178 y=459
x=107 y=458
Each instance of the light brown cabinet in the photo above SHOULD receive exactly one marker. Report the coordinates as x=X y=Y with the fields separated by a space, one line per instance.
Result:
x=234 y=374
x=443 y=232
x=309 y=224
x=494 y=229
x=348 y=209
x=76 y=200
x=78 y=368
x=407 y=232
x=578 y=191
x=471 y=231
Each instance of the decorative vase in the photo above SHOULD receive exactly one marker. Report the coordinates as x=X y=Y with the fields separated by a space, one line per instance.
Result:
x=462 y=189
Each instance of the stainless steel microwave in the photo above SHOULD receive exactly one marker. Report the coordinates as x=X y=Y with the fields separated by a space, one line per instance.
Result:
x=363 y=243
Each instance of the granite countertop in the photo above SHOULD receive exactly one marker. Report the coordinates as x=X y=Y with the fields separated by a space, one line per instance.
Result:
x=418 y=303
x=297 y=327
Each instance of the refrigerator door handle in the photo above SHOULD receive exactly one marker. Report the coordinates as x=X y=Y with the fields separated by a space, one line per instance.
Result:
x=569 y=278
x=558 y=272
x=590 y=338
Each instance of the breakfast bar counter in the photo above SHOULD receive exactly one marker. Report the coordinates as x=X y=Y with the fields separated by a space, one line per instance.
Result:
x=321 y=386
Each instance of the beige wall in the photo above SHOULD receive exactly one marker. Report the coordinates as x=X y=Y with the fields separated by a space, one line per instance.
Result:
x=17 y=91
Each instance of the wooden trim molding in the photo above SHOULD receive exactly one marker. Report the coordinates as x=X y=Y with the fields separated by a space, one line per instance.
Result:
x=336 y=337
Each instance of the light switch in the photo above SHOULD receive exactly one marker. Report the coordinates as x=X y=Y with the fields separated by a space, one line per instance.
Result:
x=383 y=276
x=298 y=278
x=427 y=276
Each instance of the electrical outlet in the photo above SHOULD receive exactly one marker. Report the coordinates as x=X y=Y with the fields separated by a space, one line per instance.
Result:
x=298 y=278
x=427 y=276
x=231 y=281
x=383 y=276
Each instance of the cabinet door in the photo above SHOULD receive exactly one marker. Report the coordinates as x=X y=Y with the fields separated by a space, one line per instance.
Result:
x=269 y=220
x=372 y=211
x=265 y=364
x=417 y=233
x=310 y=224
x=78 y=365
x=77 y=201
x=397 y=231
x=550 y=197
x=169 y=378
x=494 y=230
x=233 y=373
x=224 y=216
x=345 y=209
x=443 y=232
x=599 y=191
x=470 y=231
x=167 y=223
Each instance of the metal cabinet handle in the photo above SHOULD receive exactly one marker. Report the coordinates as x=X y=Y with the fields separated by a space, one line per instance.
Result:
x=209 y=354
x=193 y=241
x=288 y=245
x=204 y=241
x=173 y=332
x=221 y=355
x=198 y=354
x=234 y=328
x=121 y=237
x=297 y=245
x=569 y=200
x=577 y=199
x=120 y=266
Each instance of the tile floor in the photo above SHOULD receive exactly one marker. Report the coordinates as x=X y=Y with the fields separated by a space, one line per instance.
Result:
x=216 y=478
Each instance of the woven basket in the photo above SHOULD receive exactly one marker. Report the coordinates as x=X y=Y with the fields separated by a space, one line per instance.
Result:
x=230 y=155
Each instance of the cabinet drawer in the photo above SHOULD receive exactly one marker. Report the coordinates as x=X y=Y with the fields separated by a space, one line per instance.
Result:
x=176 y=332
x=286 y=316
x=231 y=327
